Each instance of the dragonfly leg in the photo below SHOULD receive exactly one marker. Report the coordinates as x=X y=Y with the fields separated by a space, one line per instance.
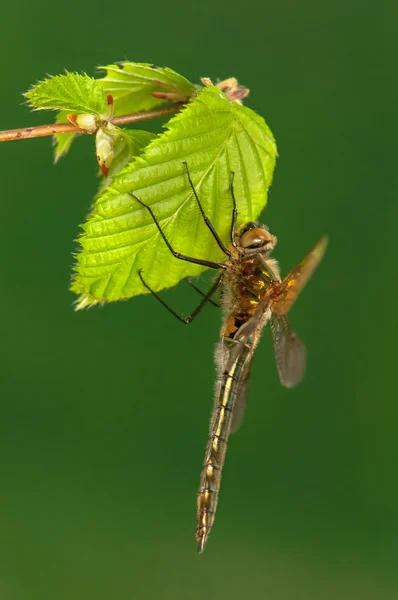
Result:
x=234 y=212
x=196 y=261
x=195 y=287
x=205 y=218
x=186 y=320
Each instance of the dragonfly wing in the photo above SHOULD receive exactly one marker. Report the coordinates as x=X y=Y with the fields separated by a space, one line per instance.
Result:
x=249 y=333
x=287 y=291
x=240 y=402
x=289 y=352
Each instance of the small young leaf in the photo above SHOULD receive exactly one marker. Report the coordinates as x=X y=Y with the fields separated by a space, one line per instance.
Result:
x=62 y=141
x=128 y=145
x=132 y=86
x=72 y=92
x=104 y=150
x=216 y=137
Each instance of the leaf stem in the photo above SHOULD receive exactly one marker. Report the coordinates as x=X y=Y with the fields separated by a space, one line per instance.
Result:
x=24 y=133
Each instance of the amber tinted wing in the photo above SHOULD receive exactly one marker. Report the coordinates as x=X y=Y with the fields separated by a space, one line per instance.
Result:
x=287 y=291
x=289 y=352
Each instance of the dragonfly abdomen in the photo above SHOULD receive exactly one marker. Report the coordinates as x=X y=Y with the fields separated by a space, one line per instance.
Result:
x=220 y=429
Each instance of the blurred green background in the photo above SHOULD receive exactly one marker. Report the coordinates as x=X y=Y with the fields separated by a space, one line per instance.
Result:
x=104 y=413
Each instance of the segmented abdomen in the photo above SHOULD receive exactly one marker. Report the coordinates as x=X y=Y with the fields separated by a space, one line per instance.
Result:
x=220 y=428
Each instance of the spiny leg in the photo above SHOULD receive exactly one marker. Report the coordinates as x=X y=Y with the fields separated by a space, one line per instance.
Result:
x=186 y=320
x=205 y=218
x=234 y=212
x=197 y=261
x=195 y=287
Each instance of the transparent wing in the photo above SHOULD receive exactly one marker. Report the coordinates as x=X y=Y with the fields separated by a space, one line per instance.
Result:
x=289 y=352
x=238 y=351
x=241 y=400
x=287 y=291
x=248 y=336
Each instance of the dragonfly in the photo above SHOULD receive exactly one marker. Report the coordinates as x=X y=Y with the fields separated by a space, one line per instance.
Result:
x=252 y=294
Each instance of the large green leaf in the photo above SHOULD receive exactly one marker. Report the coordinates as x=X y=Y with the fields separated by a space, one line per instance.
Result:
x=72 y=92
x=215 y=136
x=132 y=85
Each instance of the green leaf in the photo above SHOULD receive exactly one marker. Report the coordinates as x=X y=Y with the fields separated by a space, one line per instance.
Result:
x=72 y=92
x=129 y=144
x=132 y=86
x=215 y=136
x=62 y=141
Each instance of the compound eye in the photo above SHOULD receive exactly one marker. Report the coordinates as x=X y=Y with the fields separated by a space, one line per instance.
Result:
x=255 y=237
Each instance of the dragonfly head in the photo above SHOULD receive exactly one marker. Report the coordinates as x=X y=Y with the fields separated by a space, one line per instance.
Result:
x=253 y=237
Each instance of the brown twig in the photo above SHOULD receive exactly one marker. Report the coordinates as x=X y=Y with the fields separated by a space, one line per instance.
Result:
x=43 y=130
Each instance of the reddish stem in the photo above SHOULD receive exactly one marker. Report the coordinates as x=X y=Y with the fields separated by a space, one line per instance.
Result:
x=56 y=128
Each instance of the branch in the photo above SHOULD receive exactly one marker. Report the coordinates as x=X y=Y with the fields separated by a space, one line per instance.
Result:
x=43 y=130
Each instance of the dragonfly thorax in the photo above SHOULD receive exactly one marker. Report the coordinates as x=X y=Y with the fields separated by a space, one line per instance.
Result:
x=248 y=277
x=248 y=282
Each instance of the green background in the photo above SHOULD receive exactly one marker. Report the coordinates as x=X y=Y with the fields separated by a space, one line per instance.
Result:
x=104 y=413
